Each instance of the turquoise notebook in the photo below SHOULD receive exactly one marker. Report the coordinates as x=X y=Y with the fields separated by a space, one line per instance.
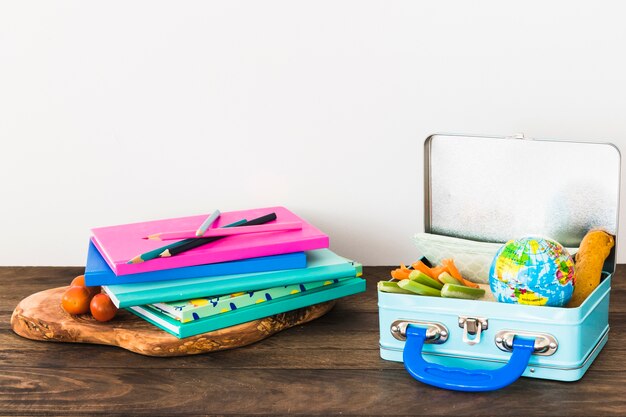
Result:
x=280 y=305
x=321 y=264
x=199 y=308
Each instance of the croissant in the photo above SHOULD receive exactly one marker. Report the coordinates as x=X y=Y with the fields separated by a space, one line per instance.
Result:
x=594 y=249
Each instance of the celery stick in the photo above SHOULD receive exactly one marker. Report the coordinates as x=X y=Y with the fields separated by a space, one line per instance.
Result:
x=461 y=291
x=422 y=278
x=392 y=287
x=448 y=279
x=418 y=288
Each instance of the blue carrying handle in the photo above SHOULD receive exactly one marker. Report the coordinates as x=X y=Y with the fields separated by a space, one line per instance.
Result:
x=460 y=379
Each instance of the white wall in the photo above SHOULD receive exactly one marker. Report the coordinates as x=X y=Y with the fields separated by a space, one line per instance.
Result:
x=120 y=111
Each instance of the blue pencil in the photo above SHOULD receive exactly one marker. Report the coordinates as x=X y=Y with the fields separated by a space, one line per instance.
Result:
x=208 y=222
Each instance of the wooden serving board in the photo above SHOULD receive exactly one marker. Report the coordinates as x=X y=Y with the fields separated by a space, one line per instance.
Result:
x=40 y=317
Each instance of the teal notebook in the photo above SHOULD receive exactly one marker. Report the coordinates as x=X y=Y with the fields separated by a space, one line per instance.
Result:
x=199 y=308
x=280 y=305
x=321 y=264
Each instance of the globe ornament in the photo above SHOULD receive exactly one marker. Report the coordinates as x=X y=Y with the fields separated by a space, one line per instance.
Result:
x=532 y=271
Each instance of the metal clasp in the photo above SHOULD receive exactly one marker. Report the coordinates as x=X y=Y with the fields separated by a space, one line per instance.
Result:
x=473 y=326
x=436 y=333
x=545 y=343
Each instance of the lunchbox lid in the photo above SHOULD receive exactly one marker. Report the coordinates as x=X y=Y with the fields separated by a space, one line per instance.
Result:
x=494 y=189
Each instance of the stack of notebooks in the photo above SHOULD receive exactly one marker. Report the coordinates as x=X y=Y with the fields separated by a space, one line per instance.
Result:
x=228 y=281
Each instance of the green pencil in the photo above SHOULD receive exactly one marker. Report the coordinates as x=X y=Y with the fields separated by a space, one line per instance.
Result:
x=155 y=252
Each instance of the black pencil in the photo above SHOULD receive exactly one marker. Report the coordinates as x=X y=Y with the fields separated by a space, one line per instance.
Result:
x=155 y=253
x=203 y=241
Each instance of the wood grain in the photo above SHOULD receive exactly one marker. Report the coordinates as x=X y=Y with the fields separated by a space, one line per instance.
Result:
x=309 y=392
x=40 y=317
x=329 y=366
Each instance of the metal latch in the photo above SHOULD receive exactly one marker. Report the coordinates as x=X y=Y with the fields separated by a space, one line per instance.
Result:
x=473 y=326
x=545 y=343
x=436 y=333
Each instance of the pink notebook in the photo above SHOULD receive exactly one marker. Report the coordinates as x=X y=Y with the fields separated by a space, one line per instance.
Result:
x=118 y=244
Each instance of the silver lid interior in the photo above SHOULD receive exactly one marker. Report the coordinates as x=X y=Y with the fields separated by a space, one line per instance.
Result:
x=494 y=189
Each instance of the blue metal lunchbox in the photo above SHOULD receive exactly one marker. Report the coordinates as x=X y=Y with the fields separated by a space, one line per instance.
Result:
x=493 y=189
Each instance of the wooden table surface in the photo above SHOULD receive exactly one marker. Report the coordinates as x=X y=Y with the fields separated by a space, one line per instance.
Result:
x=329 y=366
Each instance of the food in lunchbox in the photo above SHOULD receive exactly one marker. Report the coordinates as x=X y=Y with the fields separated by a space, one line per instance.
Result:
x=438 y=270
x=448 y=264
x=430 y=280
x=423 y=268
x=533 y=271
x=424 y=285
x=417 y=288
x=462 y=291
x=392 y=287
x=446 y=278
x=422 y=281
x=422 y=278
x=594 y=249
x=401 y=273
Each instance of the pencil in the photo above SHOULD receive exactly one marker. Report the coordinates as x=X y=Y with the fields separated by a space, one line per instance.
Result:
x=204 y=240
x=208 y=222
x=156 y=252
x=231 y=231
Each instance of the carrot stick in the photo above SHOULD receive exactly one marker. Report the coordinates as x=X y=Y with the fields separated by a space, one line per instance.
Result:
x=421 y=266
x=400 y=274
x=452 y=270
x=437 y=270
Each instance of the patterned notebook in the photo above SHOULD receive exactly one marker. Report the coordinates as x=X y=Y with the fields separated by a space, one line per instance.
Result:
x=280 y=305
x=198 y=308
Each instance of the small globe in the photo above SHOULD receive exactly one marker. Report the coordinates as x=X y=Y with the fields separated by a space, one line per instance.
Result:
x=533 y=271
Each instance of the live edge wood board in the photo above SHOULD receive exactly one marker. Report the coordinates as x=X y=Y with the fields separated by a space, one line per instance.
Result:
x=40 y=317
